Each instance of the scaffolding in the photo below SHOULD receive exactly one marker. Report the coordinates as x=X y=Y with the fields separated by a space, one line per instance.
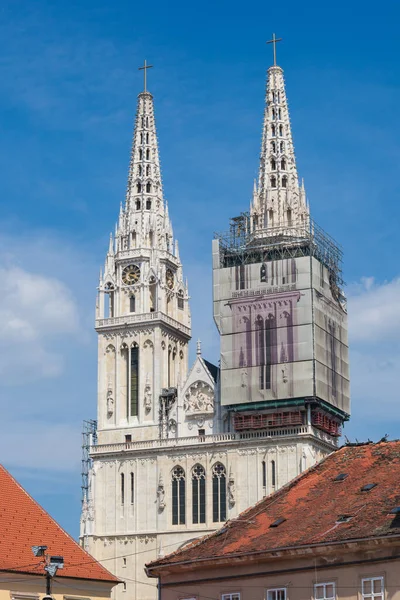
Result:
x=89 y=438
x=244 y=244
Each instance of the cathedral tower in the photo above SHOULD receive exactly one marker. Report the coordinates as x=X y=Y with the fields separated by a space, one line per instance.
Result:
x=142 y=314
x=278 y=302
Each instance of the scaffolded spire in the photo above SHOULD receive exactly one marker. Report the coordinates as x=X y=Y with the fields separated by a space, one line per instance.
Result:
x=279 y=202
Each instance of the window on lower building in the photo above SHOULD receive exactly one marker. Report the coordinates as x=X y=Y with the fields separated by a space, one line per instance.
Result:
x=372 y=588
x=234 y=596
x=276 y=594
x=324 y=591
x=178 y=497
x=219 y=493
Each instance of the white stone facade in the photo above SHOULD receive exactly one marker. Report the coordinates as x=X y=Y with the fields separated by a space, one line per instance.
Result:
x=168 y=466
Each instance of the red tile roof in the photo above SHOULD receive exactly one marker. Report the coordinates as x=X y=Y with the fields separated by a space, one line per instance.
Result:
x=311 y=505
x=23 y=523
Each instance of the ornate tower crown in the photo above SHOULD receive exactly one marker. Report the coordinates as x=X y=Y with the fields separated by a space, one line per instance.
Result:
x=279 y=201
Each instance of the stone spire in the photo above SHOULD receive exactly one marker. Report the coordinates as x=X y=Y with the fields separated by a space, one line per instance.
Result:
x=279 y=201
x=144 y=219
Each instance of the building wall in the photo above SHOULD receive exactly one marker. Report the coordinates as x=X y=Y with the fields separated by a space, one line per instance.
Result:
x=135 y=533
x=299 y=585
x=17 y=586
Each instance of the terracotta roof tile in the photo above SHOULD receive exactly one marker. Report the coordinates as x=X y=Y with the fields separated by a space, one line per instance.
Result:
x=24 y=523
x=311 y=505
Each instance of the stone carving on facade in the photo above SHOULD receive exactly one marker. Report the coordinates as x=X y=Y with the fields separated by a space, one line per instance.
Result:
x=172 y=426
x=110 y=401
x=148 y=397
x=161 y=494
x=199 y=399
x=231 y=489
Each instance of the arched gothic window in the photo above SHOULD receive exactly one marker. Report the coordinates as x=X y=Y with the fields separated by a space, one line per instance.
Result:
x=122 y=488
x=199 y=494
x=148 y=170
x=282 y=146
x=273 y=130
x=141 y=138
x=181 y=300
x=273 y=182
x=273 y=164
x=148 y=154
x=147 y=138
x=264 y=474
x=279 y=114
x=132 y=303
x=140 y=170
x=280 y=130
x=271 y=217
x=273 y=147
x=284 y=181
x=273 y=113
x=283 y=164
x=219 y=492
x=147 y=121
x=140 y=154
x=148 y=187
x=137 y=204
x=132 y=488
x=138 y=187
x=148 y=204
x=178 y=497
x=289 y=217
x=273 y=473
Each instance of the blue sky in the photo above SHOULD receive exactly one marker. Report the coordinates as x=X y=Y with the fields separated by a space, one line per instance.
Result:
x=69 y=83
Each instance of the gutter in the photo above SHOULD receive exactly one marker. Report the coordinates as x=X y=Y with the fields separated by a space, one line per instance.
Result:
x=271 y=551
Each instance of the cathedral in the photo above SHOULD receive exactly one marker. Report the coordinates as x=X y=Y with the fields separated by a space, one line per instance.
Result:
x=178 y=450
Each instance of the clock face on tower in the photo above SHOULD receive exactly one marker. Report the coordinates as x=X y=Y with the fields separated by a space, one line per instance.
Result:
x=169 y=278
x=131 y=275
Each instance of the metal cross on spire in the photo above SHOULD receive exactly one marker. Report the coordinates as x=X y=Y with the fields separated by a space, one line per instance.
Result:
x=144 y=68
x=274 y=41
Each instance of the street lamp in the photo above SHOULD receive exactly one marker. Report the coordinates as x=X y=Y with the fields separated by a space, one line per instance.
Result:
x=51 y=566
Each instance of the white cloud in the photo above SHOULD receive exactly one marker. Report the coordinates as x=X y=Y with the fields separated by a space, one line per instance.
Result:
x=374 y=311
x=35 y=310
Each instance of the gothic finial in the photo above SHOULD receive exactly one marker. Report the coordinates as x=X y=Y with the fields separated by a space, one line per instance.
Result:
x=177 y=250
x=198 y=349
